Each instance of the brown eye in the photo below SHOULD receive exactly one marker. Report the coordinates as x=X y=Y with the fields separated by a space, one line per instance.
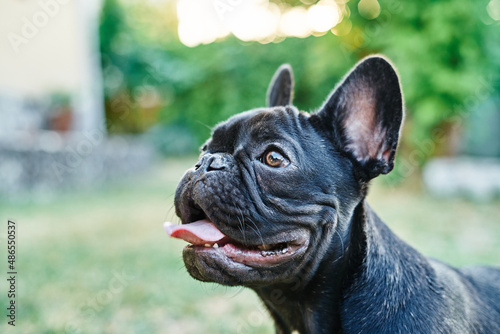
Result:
x=275 y=159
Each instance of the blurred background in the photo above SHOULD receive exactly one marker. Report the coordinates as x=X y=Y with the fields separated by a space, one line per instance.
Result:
x=104 y=103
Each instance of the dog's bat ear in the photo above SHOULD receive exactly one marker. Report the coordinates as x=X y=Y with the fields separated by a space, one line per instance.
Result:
x=364 y=114
x=280 y=91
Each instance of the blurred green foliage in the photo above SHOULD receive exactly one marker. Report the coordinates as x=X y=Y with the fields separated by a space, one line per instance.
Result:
x=447 y=54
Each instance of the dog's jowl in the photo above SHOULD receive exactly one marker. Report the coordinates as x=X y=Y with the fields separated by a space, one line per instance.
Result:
x=277 y=203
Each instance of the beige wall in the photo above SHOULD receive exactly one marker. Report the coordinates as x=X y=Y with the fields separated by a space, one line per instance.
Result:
x=49 y=46
x=39 y=52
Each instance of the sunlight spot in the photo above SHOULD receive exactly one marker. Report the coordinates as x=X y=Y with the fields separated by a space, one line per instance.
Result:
x=204 y=22
x=369 y=9
x=198 y=23
x=343 y=28
x=294 y=23
x=323 y=16
x=254 y=22
x=493 y=9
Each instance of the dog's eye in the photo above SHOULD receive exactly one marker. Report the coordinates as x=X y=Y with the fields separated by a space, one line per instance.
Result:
x=275 y=159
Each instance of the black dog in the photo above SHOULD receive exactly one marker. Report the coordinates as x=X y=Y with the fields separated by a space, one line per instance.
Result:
x=277 y=203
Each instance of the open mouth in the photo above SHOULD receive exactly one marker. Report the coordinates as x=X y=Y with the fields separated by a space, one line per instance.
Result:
x=204 y=237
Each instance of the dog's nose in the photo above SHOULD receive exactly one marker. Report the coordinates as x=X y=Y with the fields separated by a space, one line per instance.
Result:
x=212 y=162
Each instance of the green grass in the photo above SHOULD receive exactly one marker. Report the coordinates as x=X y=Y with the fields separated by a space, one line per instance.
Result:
x=457 y=231
x=100 y=262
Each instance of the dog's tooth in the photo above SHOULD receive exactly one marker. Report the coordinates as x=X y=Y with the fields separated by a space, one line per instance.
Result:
x=208 y=245
x=216 y=246
x=268 y=253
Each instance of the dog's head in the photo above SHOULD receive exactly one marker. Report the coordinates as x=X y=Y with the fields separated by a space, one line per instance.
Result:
x=275 y=188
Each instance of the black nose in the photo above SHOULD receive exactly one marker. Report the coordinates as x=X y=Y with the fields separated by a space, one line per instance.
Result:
x=211 y=162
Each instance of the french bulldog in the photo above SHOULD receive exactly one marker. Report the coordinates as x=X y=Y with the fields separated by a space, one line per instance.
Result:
x=277 y=203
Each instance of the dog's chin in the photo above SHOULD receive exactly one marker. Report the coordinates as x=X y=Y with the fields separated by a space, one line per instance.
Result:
x=231 y=263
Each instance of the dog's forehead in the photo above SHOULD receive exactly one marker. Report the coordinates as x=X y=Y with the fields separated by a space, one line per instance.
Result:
x=264 y=124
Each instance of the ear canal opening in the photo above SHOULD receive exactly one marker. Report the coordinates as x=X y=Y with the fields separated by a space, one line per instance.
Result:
x=387 y=155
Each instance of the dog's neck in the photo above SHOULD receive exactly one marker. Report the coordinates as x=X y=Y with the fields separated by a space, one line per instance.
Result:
x=367 y=268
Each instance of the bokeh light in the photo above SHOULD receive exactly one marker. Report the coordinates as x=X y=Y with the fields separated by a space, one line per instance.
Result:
x=369 y=9
x=323 y=16
x=294 y=23
x=493 y=9
x=198 y=23
x=203 y=22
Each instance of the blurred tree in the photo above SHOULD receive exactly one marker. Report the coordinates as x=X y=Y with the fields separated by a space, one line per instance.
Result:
x=441 y=50
x=447 y=53
x=198 y=87
x=131 y=90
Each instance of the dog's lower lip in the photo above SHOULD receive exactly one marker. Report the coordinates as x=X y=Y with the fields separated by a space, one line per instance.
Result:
x=254 y=256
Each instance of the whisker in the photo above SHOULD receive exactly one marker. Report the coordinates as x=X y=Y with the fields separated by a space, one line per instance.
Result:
x=241 y=227
x=205 y=125
x=342 y=245
x=242 y=222
x=238 y=291
x=256 y=230
x=169 y=212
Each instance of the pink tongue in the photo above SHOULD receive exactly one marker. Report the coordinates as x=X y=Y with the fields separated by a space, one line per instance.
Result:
x=197 y=233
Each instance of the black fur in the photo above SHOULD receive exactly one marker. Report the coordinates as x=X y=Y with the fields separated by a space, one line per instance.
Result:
x=348 y=273
x=280 y=92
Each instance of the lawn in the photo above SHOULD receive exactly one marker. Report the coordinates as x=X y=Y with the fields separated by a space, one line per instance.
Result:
x=99 y=261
